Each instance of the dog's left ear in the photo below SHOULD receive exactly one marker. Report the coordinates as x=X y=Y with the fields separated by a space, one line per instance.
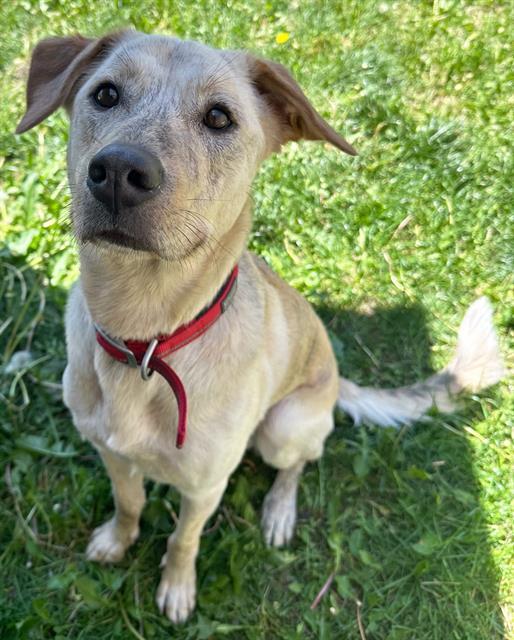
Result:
x=56 y=66
x=296 y=117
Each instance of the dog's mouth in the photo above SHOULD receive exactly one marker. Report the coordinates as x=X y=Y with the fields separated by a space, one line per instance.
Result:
x=118 y=238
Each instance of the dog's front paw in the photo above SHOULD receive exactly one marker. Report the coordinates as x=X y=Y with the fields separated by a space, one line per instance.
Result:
x=278 y=520
x=108 y=544
x=176 y=596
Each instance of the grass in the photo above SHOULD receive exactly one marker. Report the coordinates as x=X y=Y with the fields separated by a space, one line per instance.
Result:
x=415 y=528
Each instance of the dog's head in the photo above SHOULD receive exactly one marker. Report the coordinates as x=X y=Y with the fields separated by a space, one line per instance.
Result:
x=166 y=135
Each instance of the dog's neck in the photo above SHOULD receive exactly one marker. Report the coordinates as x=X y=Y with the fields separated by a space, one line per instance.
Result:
x=141 y=296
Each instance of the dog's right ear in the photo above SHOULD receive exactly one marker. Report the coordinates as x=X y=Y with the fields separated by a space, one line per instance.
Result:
x=56 y=65
x=293 y=115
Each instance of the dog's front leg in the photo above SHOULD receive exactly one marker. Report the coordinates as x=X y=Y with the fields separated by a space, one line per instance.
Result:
x=177 y=590
x=110 y=541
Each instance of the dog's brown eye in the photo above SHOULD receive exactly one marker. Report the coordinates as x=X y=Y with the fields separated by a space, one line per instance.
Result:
x=216 y=118
x=106 y=96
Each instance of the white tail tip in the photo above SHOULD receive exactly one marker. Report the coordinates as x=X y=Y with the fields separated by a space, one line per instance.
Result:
x=477 y=364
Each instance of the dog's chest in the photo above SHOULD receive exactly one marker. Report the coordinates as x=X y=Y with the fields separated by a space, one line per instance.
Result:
x=138 y=422
x=228 y=382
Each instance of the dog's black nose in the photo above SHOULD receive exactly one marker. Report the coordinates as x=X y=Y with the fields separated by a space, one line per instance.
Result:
x=124 y=175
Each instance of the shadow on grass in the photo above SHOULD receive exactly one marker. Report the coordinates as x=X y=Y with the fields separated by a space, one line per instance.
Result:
x=395 y=518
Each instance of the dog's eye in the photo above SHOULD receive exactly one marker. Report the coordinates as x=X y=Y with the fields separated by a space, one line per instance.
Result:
x=216 y=118
x=106 y=95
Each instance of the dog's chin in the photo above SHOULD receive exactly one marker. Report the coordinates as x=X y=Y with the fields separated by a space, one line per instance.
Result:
x=92 y=229
x=118 y=243
x=121 y=239
x=122 y=243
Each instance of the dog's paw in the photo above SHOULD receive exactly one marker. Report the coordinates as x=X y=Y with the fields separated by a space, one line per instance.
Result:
x=278 y=520
x=107 y=545
x=176 y=597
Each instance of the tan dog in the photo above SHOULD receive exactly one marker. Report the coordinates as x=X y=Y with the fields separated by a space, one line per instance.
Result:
x=166 y=137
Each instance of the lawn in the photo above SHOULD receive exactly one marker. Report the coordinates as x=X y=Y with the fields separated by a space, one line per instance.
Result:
x=412 y=530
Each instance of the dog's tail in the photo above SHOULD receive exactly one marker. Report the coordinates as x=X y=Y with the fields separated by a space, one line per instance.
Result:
x=477 y=364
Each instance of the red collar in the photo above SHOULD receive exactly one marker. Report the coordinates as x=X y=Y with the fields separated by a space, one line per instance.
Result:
x=148 y=356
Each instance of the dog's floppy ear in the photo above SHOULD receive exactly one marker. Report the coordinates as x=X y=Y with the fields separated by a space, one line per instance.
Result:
x=56 y=65
x=297 y=117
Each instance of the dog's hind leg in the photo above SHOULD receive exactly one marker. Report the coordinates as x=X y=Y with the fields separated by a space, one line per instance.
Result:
x=279 y=508
x=292 y=433
x=177 y=591
x=110 y=541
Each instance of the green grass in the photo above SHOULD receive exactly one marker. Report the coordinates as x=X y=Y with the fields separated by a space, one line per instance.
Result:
x=415 y=527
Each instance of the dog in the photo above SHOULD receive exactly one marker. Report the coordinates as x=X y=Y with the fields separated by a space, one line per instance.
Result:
x=166 y=137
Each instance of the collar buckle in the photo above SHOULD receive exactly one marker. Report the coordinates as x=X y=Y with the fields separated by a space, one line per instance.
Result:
x=120 y=345
x=144 y=369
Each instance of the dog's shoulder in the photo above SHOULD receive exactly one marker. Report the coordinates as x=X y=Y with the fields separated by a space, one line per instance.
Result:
x=292 y=301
